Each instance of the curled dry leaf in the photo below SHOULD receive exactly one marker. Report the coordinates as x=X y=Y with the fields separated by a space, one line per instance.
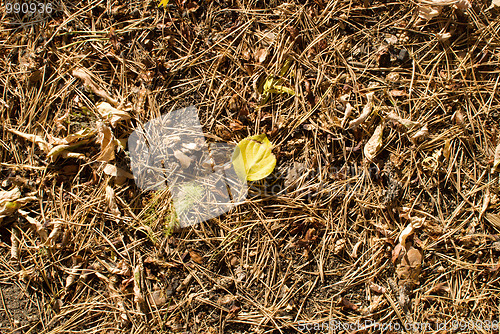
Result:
x=15 y=236
x=374 y=144
x=411 y=265
x=107 y=141
x=120 y=175
x=348 y=113
x=443 y=37
x=409 y=125
x=39 y=227
x=428 y=9
x=396 y=253
x=496 y=161
x=261 y=55
x=354 y=252
x=87 y=80
x=54 y=234
x=420 y=134
x=111 y=200
x=347 y=304
x=405 y=234
x=11 y=201
x=367 y=110
x=195 y=257
x=184 y=160
x=428 y=12
x=377 y=288
x=42 y=144
x=73 y=274
x=112 y=114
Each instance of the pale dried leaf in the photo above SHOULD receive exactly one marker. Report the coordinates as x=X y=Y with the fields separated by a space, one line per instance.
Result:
x=348 y=113
x=106 y=140
x=54 y=234
x=409 y=125
x=261 y=55
x=72 y=155
x=377 y=288
x=10 y=202
x=354 y=252
x=374 y=144
x=87 y=80
x=39 y=227
x=15 y=236
x=496 y=161
x=111 y=200
x=73 y=274
x=367 y=110
x=120 y=175
x=112 y=114
x=406 y=233
x=428 y=12
x=420 y=134
x=42 y=144
x=443 y=37
x=183 y=159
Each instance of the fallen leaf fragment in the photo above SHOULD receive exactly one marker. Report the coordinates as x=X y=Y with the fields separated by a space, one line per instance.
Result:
x=367 y=110
x=374 y=144
x=411 y=265
x=195 y=257
x=183 y=159
x=440 y=288
x=111 y=113
x=120 y=174
x=15 y=236
x=409 y=125
x=496 y=161
x=42 y=144
x=107 y=141
x=347 y=304
x=428 y=12
x=261 y=55
x=73 y=274
x=348 y=113
x=420 y=134
x=10 y=201
x=377 y=288
x=428 y=9
x=157 y=298
x=87 y=80
x=111 y=200
x=39 y=227
x=405 y=234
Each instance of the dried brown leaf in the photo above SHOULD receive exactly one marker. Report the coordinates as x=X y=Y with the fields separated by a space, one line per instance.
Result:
x=89 y=82
x=112 y=114
x=367 y=110
x=374 y=144
x=111 y=200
